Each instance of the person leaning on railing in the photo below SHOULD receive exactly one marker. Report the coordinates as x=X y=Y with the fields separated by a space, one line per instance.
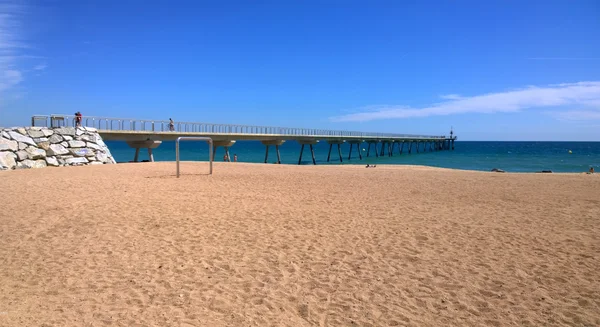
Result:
x=171 y=124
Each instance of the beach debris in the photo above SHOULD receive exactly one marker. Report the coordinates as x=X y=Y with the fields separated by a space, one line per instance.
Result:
x=545 y=172
x=497 y=170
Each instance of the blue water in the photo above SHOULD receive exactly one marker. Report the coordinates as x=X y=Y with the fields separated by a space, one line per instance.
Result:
x=509 y=156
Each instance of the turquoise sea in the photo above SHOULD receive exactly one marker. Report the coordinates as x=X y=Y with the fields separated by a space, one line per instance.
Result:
x=509 y=156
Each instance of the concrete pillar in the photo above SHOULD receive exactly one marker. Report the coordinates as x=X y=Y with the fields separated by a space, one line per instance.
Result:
x=310 y=143
x=276 y=143
x=147 y=144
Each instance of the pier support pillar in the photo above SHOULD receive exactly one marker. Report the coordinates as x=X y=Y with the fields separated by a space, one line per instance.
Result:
x=148 y=144
x=276 y=143
x=401 y=146
x=339 y=146
x=410 y=147
x=312 y=150
x=352 y=142
x=225 y=144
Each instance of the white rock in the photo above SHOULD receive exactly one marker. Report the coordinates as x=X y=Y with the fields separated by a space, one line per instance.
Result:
x=96 y=163
x=7 y=160
x=21 y=130
x=67 y=137
x=89 y=138
x=22 y=155
x=6 y=144
x=73 y=161
x=93 y=146
x=21 y=138
x=57 y=150
x=22 y=146
x=76 y=144
x=5 y=135
x=35 y=133
x=65 y=131
x=40 y=139
x=26 y=164
x=51 y=161
x=101 y=156
x=65 y=144
x=35 y=153
x=82 y=152
x=79 y=131
x=91 y=129
x=55 y=139
x=47 y=132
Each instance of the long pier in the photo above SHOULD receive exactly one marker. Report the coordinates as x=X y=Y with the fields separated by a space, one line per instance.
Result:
x=149 y=134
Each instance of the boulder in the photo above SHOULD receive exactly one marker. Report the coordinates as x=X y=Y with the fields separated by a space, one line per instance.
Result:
x=21 y=138
x=101 y=156
x=55 y=139
x=5 y=135
x=47 y=132
x=496 y=170
x=82 y=152
x=67 y=137
x=76 y=161
x=27 y=164
x=44 y=145
x=76 y=144
x=6 y=144
x=65 y=131
x=22 y=155
x=93 y=146
x=40 y=139
x=51 y=161
x=35 y=153
x=96 y=163
x=7 y=160
x=56 y=150
x=90 y=129
x=79 y=131
x=65 y=144
x=22 y=146
x=35 y=133
x=88 y=138
x=21 y=130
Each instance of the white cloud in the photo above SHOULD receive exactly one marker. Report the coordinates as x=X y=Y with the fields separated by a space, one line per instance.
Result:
x=577 y=115
x=450 y=97
x=10 y=43
x=580 y=94
x=40 y=67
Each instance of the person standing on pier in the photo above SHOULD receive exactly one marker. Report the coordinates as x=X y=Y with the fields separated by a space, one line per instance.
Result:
x=78 y=117
x=171 y=124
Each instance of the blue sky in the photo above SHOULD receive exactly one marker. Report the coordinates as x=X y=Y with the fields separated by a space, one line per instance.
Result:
x=495 y=70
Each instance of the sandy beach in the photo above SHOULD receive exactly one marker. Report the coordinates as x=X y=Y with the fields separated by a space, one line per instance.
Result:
x=278 y=245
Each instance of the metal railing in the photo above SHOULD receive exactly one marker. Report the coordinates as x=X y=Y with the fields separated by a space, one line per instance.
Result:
x=141 y=125
x=195 y=138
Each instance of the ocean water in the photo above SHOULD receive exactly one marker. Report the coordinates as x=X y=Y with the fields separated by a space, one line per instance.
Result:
x=509 y=156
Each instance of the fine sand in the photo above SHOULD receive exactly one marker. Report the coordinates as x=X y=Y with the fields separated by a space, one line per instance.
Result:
x=277 y=245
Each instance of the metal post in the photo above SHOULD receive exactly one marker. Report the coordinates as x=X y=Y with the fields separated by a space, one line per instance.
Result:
x=340 y=151
x=313 y=154
x=350 y=152
x=329 y=155
x=211 y=156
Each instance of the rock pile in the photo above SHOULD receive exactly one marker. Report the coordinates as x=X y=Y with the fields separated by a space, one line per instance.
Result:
x=37 y=147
